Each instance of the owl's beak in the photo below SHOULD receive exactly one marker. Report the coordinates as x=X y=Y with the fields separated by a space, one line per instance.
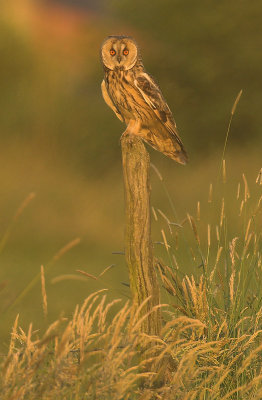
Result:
x=119 y=59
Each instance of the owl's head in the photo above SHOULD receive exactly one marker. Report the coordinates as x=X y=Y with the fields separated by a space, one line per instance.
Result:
x=119 y=52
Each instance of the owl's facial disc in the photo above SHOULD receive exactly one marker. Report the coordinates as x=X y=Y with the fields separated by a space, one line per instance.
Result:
x=119 y=53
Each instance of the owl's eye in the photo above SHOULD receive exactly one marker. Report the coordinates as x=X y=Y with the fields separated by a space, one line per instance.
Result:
x=112 y=52
x=125 y=52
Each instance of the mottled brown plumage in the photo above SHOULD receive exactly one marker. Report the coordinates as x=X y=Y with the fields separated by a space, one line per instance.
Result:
x=136 y=99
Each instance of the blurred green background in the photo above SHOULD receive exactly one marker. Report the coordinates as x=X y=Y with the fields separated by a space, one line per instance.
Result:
x=60 y=141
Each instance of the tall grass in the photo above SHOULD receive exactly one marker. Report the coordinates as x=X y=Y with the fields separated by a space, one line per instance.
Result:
x=210 y=345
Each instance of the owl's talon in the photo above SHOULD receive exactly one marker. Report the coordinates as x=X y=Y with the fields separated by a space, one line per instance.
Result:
x=131 y=129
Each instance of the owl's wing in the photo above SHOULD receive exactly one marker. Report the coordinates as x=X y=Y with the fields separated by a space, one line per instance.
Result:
x=109 y=101
x=154 y=98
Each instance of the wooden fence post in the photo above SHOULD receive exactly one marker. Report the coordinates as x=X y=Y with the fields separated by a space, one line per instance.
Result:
x=138 y=244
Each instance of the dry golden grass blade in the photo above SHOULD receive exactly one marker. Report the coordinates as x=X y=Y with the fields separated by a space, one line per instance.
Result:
x=121 y=317
x=20 y=210
x=259 y=206
x=87 y=274
x=259 y=177
x=47 y=339
x=96 y=314
x=219 y=252
x=167 y=246
x=241 y=207
x=66 y=248
x=197 y=294
x=210 y=193
x=208 y=236
x=32 y=283
x=168 y=285
x=13 y=336
x=246 y=189
x=164 y=216
x=249 y=359
x=140 y=321
x=68 y=277
x=238 y=191
x=194 y=228
x=175 y=262
x=251 y=339
x=193 y=292
x=236 y=102
x=22 y=335
x=84 y=319
x=90 y=299
x=231 y=286
x=178 y=325
x=224 y=171
x=173 y=274
x=157 y=171
x=154 y=213
x=222 y=214
x=104 y=313
x=53 y=328
x=118 y=324
x=192 y=254
x=235 y=358
x=182 y=223
x=63 y=346
x=217 y=233
x=198 y=211
x=154 y=339
x=25 y=203
x=106 y=270
x=187 y=298
x=222 y=328
x=178 y=225
x=232 y=248
x=258 y=317
x=247 y=245
x=166 y=219
x=44 y=296
x=224 y=374
x=247 y=230
x=28 y=337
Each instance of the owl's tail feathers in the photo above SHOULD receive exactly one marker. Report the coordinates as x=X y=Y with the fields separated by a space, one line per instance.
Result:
x=168 y=145
x=178 y=154
x=174 y=147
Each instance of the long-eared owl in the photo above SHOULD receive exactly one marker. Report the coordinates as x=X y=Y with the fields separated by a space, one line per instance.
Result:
x=136 y=99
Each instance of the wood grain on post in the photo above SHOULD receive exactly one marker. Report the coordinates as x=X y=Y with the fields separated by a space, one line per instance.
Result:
x=138 y=244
